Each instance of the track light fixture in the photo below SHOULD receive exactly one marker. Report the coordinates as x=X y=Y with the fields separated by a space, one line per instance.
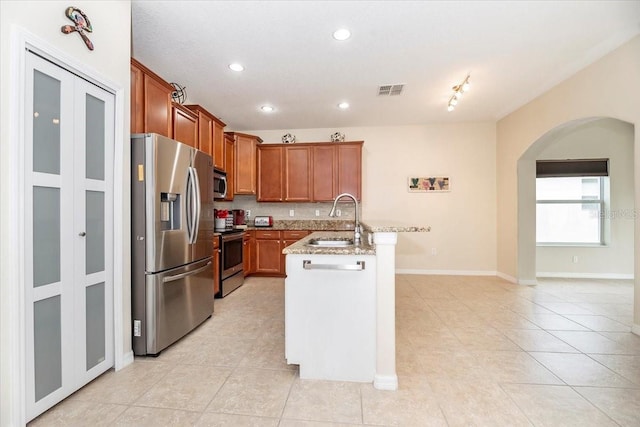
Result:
x=458 y=90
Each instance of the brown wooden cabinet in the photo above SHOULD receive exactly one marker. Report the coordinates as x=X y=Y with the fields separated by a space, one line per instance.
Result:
x=216 y=265
x=309 y=172
x=150 y=102
x=218 y=145
x=245 y=162
x=349 y=169
x=248 y=253
x=229 y=156
x=289 y=237
x=297 y=174
x=185 y=125
x=268 y=252
x=270 y=177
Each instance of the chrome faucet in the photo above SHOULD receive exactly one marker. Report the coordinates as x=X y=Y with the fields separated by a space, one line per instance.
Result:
x=357 y=230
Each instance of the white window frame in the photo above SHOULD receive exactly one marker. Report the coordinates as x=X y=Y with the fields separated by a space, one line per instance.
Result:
x=602 y=206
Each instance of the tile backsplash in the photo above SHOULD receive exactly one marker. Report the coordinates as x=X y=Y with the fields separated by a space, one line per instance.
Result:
x=280 y=211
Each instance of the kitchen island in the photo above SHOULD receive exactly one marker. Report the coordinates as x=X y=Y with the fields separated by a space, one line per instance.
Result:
x=340 y=315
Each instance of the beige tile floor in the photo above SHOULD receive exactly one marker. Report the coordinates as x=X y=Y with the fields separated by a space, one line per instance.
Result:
x=471 y=351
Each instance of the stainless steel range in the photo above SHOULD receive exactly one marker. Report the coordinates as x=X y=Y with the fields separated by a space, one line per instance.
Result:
x=231 y=261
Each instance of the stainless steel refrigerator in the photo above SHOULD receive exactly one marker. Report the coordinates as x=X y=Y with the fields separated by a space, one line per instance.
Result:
x=172 y=241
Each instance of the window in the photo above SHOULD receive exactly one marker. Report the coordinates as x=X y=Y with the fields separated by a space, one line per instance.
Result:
x=569 y=210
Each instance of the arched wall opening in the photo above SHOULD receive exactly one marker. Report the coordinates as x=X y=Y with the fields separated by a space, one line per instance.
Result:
x=594 y=137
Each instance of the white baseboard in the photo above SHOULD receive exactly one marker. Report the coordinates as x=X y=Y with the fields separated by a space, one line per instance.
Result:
x=561 y=275
x=506 y=277
x=527 y=282
x=635 y=328
x=127 y=359
x=446 y=272
x=385 y=382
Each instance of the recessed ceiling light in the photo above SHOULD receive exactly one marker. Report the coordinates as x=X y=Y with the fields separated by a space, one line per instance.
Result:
x=236 y=67
x=343 y=105
x=266 y=108
x=341 y=34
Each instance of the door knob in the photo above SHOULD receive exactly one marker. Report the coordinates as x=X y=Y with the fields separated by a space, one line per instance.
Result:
x=82 y=234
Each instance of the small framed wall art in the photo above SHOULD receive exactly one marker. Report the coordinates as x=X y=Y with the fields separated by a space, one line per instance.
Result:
x=431 y=184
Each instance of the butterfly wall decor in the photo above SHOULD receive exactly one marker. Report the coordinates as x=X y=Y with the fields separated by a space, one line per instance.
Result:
x=81 y=22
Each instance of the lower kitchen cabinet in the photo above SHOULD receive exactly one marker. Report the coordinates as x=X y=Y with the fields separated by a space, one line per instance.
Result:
x=268 y=252
x=216 y=265
x=249 y=253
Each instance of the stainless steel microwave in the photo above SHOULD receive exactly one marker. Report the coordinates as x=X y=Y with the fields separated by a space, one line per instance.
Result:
x=219 y=184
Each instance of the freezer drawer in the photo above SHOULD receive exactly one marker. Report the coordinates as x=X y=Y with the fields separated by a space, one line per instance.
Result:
x=170 y=305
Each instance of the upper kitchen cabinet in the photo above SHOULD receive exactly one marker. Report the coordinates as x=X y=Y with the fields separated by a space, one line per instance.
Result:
x=208 y=125
x=349 y=169
x=150 y=102
x=219 y=146
x=229 y=160
x=245 y=162
x=309 y=172
x=297 y=174
x=185 y=125
x=270 y=166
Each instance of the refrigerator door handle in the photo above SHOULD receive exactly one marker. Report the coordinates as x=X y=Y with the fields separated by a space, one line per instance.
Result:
x=187 y=274
x=191 y=205
x=198 y=204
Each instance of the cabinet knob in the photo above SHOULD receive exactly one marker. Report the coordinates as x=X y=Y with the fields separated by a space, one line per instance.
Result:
x=82 y=234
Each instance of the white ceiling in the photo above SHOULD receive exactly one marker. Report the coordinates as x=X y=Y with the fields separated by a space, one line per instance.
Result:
x=513 y=50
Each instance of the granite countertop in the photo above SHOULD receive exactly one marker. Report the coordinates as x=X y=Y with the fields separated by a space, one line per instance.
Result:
x=300 y=248
x=392 y=227
x=307 y=224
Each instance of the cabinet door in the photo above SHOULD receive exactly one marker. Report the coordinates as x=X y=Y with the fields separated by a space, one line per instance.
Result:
x=229 y=155
x=218 y=146
x=245 y=179
x=205 y=133
x=248 y=251
x=324 y=173
x=137 y=100
x=297 y=171
x=185 y=126
x=349 y=169
x=268 y=256
x=157 y=107
x=270 y=162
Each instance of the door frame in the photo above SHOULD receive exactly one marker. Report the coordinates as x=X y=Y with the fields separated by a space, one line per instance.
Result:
x=12 y=262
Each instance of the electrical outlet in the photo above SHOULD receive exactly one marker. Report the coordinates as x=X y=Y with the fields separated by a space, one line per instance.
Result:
x=434 y=251
x=291 y=212
x=317 y=212
x=137 y=328
x=338 y=212
x=248 y=213
x=575 y=259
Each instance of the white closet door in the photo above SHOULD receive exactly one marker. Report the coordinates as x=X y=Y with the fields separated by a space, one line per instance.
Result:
x=68 y=183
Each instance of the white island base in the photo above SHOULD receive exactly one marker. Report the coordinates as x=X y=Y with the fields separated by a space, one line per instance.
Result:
x=330 y=316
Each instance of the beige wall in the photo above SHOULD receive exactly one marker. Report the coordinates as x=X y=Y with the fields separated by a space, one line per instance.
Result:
x=604 y=89
x=111 y=21
x=463 y=221
x=606 y=138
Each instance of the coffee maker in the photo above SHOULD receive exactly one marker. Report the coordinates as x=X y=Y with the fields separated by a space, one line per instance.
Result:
x=238 y=217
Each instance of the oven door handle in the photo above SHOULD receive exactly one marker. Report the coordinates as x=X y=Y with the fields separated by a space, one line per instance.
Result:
x=187 y=274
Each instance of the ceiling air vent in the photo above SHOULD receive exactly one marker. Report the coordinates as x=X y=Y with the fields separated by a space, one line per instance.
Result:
x=390 y=90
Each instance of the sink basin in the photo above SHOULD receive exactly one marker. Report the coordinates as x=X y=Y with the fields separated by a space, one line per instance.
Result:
x=331 y=242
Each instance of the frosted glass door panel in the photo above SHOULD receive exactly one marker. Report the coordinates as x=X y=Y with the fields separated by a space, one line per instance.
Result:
x=95 y=232
x=95 y=138
x=46 y=236
x=46 y=123
x=95 y=317
x=47 y=344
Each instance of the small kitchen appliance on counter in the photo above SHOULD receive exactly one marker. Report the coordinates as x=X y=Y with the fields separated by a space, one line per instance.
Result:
x=238 y=218
x=263 y=221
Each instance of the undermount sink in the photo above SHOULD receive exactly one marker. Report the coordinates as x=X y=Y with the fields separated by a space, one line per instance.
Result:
x=331 y=242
